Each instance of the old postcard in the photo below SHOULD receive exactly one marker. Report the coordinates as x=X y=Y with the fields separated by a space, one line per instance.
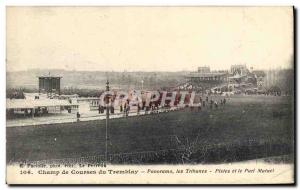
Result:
x=150 y=95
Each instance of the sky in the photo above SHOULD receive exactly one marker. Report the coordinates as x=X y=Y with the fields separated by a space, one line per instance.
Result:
x=148 y=38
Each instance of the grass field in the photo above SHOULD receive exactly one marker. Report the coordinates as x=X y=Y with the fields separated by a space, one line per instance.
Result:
x=256 y=119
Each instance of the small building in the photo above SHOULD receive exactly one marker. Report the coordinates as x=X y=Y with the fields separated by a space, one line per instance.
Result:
x=38 y=107
x=46 y=101
x=49 y=84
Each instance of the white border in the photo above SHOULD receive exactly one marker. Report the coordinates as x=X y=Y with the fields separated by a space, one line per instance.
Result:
x=153 y=2
x=4 y=3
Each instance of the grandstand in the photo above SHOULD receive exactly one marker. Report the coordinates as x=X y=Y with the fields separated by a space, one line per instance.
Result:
x=237 y=79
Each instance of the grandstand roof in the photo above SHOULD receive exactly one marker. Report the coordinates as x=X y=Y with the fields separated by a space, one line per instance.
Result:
x=30 y=104
x=196 y=74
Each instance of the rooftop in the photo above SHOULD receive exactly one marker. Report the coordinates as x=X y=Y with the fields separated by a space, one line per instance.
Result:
x=45 y=76
x=30 y=104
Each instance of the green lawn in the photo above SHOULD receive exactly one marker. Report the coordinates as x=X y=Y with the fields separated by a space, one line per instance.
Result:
x=258 y=119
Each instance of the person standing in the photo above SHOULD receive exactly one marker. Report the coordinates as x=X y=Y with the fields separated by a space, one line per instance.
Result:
x=216 y=104
x=99 y=109
x=112 y=109
x=138 y=109
x=125 y=109
x=199 y=106
x=121 y=108
x=78 y=116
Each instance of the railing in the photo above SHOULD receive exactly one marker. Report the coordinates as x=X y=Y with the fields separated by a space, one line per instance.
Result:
x=73 y=118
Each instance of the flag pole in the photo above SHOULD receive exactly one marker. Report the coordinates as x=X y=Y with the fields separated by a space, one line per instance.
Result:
x=106 y=125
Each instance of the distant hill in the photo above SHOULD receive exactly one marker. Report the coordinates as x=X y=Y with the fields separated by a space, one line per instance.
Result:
x=96 y=79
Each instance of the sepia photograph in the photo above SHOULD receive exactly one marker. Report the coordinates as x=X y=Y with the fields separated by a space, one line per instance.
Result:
x=150 y=95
